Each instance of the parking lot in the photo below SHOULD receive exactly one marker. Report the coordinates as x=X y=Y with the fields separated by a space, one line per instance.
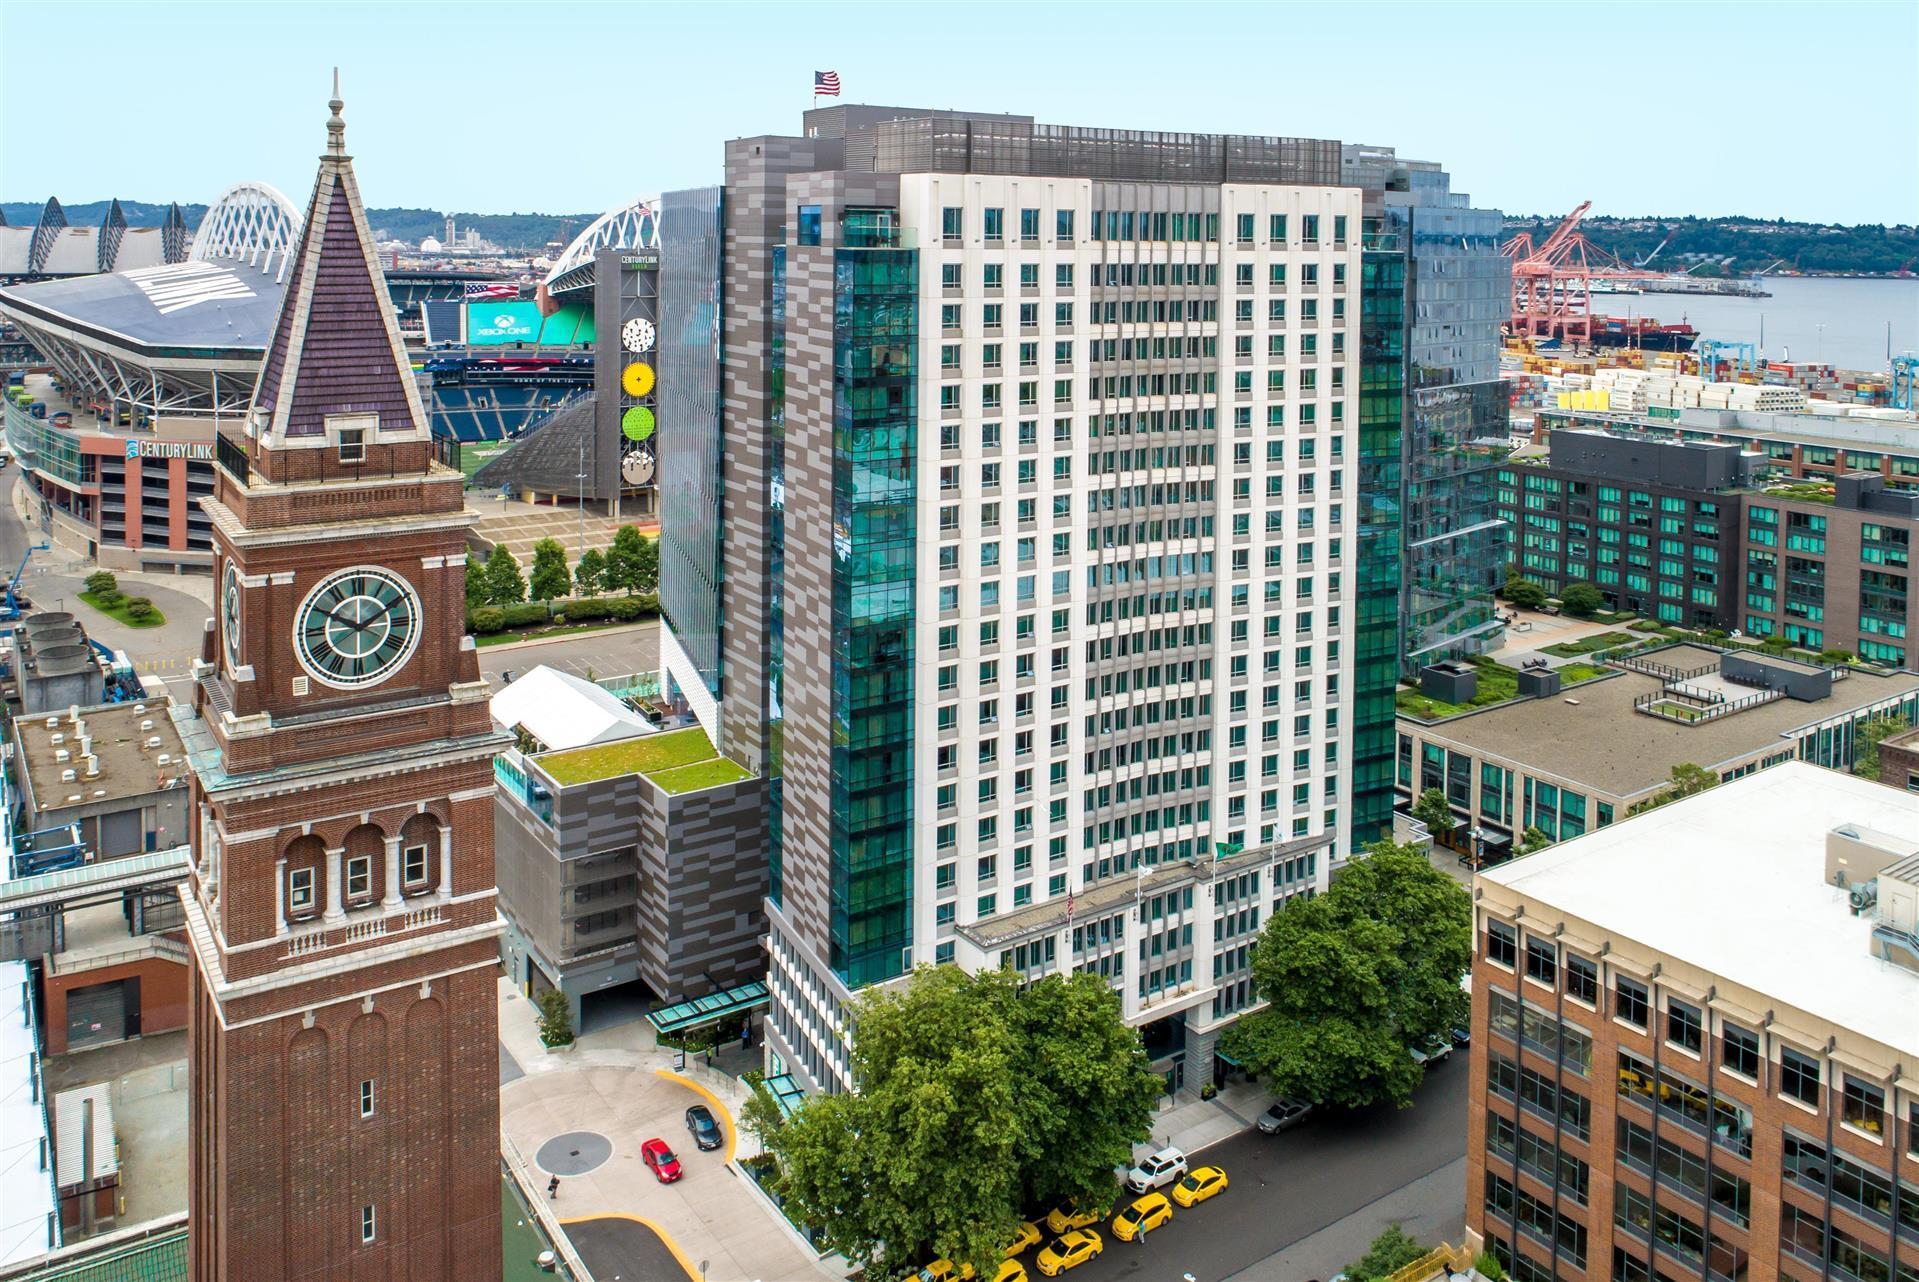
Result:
x=1298 y=1201
x=612 y=653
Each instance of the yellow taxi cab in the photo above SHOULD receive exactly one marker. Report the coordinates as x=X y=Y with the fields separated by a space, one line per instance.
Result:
x=1142 y=1217
x=1028 y=1235
x=1011 y=1271
x=946 y=1271
x=1068 y=1216
x=1069 y=1252
x=1207 y=1181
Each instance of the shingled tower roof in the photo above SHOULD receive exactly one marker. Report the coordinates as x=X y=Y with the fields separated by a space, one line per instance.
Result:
x=336 y=347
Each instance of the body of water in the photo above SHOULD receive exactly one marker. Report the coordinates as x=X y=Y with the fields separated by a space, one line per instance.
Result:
x=1853 y=313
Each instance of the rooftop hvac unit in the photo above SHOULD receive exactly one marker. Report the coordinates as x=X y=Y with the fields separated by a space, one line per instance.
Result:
x=164 y=759
x=67 y=776
x=73 y=712
x=61 y=754
x=93 y=766
x=86 y=744
x=138 y=708
x=75 y=796
x=99 y=792
x=56 y=737
x=52 y=722
x=153 y=741
x=147 y=724
x=79 y=726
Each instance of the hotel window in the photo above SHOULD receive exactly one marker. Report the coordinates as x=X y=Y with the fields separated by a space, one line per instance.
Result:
x=1629 y=1001
x=300 y=891
x=359 y=877
x=951 y=222
x=995 y=224
x=1740 y=1051
x=1864 y=1106
x=1582 y=979
x=369 y=1224
x=1502 y=944
x=1029 y=224
x=366 y=1098
x=1063 y=224
x=1542 y=960
x=1683 y=1028
x=1799 y=1076
x=413 y=866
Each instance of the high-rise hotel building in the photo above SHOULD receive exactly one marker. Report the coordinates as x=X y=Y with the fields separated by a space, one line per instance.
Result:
x=1019 y=549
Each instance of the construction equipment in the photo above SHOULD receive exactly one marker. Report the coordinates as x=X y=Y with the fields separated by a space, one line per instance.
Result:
x=1739 y=358
x=15 y=605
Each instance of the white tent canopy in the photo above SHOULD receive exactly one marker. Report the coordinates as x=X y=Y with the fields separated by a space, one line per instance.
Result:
x=562 y=711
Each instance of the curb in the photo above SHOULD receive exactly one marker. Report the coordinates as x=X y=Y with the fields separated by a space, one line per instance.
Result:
x=571 y=636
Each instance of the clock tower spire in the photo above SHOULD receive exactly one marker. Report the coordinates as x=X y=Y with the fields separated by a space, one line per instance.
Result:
x=345 y=1104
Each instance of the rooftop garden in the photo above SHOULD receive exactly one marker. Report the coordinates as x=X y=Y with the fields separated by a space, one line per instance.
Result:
x=1802 y=491
x=1586 y=645
x=1497 y=684
x=678 y=761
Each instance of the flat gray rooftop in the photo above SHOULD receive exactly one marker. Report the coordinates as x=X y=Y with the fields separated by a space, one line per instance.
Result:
x=121 y=739
x=1590 y=734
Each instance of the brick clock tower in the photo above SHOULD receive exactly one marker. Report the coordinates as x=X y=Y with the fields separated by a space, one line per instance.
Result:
x=345 y=1074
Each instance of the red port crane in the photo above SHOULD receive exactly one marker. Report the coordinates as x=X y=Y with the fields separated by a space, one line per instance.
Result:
x=1552 y=282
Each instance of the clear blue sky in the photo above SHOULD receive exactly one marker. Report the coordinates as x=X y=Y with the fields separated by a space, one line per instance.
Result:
x=1800 y=110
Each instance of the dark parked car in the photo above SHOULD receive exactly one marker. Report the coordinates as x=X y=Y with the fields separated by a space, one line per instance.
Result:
x=1462 y=1037
x=1284 y=1115
x=706 y=1131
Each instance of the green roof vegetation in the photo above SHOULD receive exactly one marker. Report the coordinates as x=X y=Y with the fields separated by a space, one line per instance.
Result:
x=705 y=774
x=1586 y=645
x=653 y=755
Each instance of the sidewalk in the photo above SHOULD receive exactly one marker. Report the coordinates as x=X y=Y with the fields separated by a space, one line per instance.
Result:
x=1431 y=1209
x=1197 y=1123
x=618 y=1084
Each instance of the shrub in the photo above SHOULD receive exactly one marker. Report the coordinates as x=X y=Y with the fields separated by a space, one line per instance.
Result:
x=649 y=603
x=1488 y=1267
x=487 y=619
x=1581 y=600
x=101 y=582
x=624 y=608
x=556 y=1021
x=583 y=608
x=1835 y=656
x=139 y=608
x=522 y=616
x=107 y=598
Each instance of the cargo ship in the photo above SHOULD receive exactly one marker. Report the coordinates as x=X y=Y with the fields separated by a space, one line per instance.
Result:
x=1642 y=332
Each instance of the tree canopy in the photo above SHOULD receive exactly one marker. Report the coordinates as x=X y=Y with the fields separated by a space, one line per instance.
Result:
x=504 y=584
x=550 y=578
x=980 y=1100
x=1355 y=977
x=1391 y=1251
x=1581 y=599
x=1433 y=810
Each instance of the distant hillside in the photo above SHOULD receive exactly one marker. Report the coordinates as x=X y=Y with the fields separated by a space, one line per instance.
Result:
x=529 y=232
x=26 y=213
x=1751 y=244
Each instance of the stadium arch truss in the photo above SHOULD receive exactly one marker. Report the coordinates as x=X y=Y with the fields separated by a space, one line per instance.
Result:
x=252 y=223
x=632 y=226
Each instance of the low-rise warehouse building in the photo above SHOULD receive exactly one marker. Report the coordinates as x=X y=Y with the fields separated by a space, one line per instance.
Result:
x=1580 y=759
x=116 y=771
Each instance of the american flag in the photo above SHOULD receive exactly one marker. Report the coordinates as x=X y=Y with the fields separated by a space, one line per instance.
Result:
x=480 y=291
x=826 y=84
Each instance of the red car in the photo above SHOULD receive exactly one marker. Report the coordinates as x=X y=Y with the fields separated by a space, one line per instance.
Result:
x=659 y=1159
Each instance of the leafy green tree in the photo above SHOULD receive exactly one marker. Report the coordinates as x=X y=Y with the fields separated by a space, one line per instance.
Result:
x=1534 y=838
x=550 y=578
x=1524 y=593
x=556 y=1021
x=1357 y=976
x=1582 y=600
x=504 y=586
x=1685 y=780
x=975 y=1096
x=1392 y=1250
x=1433 y=810
x=590 y=573
x=475 y=587
x=623 y=559
x=1874 y=732
x=646 y=565
x=1488 y=1267
x=102 y=581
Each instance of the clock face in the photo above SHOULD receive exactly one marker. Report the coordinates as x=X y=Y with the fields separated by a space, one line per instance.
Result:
x=230 y=614
x=357 y=627
x=637 y=335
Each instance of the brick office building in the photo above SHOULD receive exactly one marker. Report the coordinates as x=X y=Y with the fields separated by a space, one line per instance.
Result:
x=344 y=1106
x=1698 y=1030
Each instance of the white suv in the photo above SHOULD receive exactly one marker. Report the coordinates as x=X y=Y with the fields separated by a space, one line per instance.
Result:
x=1157 y=1171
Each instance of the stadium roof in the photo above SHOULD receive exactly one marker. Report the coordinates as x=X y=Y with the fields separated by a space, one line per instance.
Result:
x=631 y=226
x=51 y=247
x=194 y=309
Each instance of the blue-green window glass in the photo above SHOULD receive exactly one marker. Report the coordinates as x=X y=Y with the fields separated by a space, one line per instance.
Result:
x=809 y=225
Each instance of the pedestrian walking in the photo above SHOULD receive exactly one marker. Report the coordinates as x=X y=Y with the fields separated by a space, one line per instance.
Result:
x=553 y=1188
